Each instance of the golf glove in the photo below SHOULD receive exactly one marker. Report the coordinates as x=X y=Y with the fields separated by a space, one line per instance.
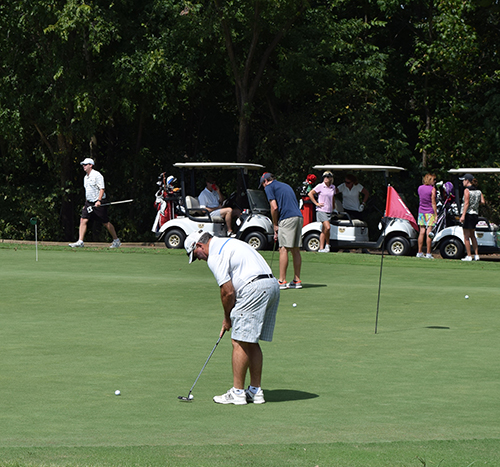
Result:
x=361 y=207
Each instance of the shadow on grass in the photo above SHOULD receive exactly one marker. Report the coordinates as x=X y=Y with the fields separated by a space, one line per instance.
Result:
x=285 y=395
x=437 y=327
x=311 y=286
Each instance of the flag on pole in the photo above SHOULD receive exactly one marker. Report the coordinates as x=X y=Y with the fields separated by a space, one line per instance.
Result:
x=395 y=207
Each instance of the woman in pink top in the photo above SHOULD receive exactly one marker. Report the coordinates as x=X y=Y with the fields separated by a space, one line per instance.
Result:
x=427 y=212
x=324 y=192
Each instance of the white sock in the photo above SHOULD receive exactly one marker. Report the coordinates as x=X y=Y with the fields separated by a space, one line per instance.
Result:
x=238 y=392
x=253 y=389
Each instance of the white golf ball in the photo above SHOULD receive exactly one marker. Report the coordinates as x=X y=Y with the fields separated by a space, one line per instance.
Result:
x=466 y=296
x=294 y=304
x=190 y=396
x=117 y=392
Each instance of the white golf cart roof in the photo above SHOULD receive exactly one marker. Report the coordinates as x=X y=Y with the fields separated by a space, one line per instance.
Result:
x=365 y=168
x=475 y=170
x=218 y=165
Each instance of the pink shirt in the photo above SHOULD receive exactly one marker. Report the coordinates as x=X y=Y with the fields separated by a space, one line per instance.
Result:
x=325 y=195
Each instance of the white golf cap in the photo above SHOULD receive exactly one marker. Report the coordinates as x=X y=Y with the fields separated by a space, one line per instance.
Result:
x=88 y=160
x=190 y=244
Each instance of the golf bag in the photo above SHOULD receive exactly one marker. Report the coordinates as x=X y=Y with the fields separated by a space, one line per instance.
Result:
x=447 y=208
x=306 y=205
x=166 y=201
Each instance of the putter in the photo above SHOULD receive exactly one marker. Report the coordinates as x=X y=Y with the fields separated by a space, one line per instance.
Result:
x=189 y=397
x=91 y=208
x=272 y=256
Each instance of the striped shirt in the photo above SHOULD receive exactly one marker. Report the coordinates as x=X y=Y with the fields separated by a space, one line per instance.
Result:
x=93 y=183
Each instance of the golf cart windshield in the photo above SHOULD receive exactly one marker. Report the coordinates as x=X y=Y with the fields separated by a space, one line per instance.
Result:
x=258 y=202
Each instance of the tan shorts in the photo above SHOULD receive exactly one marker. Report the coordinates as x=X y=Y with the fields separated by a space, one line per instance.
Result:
x=290 y=232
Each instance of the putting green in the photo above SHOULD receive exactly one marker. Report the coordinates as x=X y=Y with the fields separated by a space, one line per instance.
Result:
x=77 y=325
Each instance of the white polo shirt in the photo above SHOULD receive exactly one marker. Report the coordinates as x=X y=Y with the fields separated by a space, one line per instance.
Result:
x=208 y=199
x=230 y=259
x=93 y=183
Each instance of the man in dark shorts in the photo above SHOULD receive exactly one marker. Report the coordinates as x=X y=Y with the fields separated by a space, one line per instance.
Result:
x=94 y=194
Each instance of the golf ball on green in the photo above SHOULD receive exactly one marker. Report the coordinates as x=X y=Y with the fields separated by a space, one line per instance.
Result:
x=117 y=392
x=294 y=304
x=466 y=296
x=190 y=396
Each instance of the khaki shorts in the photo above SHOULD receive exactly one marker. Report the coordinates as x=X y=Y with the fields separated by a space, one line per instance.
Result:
x=290 y=232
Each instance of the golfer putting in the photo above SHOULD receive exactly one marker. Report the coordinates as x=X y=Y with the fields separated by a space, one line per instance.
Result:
x=250 y=297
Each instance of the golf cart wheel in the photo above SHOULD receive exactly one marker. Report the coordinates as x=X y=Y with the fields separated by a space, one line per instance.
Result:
x=451 y=248
x=398 y=246
x=174 y=239
x=311 y=242
x=256 y=240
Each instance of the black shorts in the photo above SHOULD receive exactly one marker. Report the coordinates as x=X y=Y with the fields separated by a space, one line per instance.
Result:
x=470 y=221
x=90 y=212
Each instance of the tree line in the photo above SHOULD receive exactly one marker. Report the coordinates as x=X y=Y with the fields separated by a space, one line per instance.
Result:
x=288 y=84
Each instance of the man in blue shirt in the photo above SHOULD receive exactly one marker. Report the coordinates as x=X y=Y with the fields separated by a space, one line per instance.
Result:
x=287 y=220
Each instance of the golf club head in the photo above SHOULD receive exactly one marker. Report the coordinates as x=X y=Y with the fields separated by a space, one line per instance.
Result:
x=185 y=398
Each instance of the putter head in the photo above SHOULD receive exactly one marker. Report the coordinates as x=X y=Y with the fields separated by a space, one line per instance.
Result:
x=186 y=398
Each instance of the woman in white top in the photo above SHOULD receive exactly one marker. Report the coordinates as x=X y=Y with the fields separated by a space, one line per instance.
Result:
x=351 y=191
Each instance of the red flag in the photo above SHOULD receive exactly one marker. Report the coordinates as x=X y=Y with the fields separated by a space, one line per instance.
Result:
x=394 y=207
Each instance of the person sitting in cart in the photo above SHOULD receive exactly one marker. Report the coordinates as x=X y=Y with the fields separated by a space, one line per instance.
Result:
x=212 y=199
x=351 y=190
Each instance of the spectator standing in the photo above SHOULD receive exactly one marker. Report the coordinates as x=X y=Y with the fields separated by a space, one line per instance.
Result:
x=427 y=213
x=287 y=220
x=470 y=214
x=325 y=193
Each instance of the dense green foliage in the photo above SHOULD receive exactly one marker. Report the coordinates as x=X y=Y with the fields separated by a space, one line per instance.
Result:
x=289 y=84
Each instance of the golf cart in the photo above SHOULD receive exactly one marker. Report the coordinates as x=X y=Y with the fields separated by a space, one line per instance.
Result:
x=449 y=238
x=400 y=235
x=254 y=225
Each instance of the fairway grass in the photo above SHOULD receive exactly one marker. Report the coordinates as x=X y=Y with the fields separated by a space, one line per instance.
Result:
x=79 y=324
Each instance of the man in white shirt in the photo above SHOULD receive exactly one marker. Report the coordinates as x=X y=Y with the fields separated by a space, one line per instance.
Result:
x=250 y=297
x=94 y=194
x=211 y=199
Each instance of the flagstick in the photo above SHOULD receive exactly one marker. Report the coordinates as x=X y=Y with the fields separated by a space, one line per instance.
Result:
x=380 y=281
x=36 y=242
x=382 y=257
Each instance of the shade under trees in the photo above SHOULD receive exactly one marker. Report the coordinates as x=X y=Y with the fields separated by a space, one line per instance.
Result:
x=288 y=84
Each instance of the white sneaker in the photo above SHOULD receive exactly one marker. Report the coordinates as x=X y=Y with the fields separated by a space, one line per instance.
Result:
x=257 y=398
x=476 y=258
x=467 y=258
x=324 y=250
x=116 y=243
x=420 y=255
x=231 y=398
x=429 y=256
x=78 y=244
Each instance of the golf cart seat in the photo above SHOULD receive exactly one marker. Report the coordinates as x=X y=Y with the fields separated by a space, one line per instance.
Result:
x=343 y=218
x=199 y=214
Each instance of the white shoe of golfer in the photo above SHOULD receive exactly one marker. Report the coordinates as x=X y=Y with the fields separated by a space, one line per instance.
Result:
x=116 y=243
x=78 y=244
x=231 y=398
x=467 y=258
x=257 y=398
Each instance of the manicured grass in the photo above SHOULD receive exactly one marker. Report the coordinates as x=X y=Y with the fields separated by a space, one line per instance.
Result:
x=76 y=325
